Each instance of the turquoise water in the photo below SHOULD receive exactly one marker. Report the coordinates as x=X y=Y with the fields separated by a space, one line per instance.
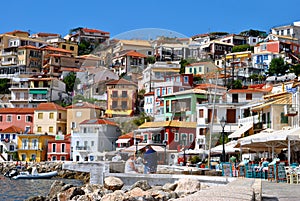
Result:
x=17 y=190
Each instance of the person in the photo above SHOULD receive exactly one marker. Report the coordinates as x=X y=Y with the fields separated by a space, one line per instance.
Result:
x=117 y=157
x=129 y=165
x=150 y=160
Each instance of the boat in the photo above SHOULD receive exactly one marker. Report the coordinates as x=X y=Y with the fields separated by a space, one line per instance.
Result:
x=34 y=175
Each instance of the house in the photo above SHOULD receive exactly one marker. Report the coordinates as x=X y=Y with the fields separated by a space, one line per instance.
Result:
x=59 y=148
x=291 y=30
x=50 y=119
x=8 y=143
x=200 y=68
x=29 y=92
x=121 y=98
x=31 y=57
x=79 y=112
x=94 y=137
x=156 y=73
x=19 y=117
x=33 y=147
x=127 y=140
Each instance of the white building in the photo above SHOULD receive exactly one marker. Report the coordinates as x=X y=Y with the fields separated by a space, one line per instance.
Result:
x=95 y=137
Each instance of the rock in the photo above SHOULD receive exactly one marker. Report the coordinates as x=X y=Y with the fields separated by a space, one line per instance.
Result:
x=169 y=186
x=142 y=184
x=139 y=193
x=36 y=198
x=70 y=193
x=187 y=186
x=113 y=183
x=55 y=189
x=117 y=195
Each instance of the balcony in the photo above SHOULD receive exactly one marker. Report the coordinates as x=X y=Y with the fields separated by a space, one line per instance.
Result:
x=82 y=148
x=3 y=54
x=6 y=63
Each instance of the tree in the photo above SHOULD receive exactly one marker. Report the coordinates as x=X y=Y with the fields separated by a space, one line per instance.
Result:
x=183 y=64
x=71 y=81
x=237 y=84
x=296 y=69
x=4 y=86
x=150 y=60
x=241 y=48
x=278 y=67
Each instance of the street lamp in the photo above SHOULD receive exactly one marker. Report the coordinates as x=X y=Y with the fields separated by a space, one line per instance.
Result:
x=184 y=139
x=165 y=142
x=223 y=123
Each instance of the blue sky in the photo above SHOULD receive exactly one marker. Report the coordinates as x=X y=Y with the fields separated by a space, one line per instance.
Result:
x=189 y=17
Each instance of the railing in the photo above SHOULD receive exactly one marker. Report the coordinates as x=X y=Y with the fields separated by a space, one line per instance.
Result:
x=252 y=119
x=8 y=53
x=82 y=148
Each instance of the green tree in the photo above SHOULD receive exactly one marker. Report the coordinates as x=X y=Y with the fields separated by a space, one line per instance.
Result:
x=278 y=67
x=71 y=81
x=183 y=64
x=296 y=69
x=150 y=60
x=4 y=86
x=242 y=48
x=141 y=119
x=237 y=84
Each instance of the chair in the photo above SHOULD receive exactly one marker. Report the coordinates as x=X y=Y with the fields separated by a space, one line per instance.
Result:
x=297 y=174
x=291 y=175
x=287 y=174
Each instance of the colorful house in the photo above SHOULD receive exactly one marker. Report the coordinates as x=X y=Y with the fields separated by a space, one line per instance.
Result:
x=33 y=147
x=59 y=149
x=8 y=143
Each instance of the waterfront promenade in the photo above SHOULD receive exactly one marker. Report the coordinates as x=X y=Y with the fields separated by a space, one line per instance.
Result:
x=272 y=191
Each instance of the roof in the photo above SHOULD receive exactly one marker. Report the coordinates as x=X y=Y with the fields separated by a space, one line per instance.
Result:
x=17 y=110
x=133 y=53
x=179 y=124
x=83 y=105
x=94 y=31
x=151 y=93
x=49 y=106
x=42 y=34
x=251 y=90
x=12 y=129
x=207 y=86
x=99 y=121
x=16 y=31
x=89 y=57
x=29 y=47
x=136 y=42
x=50 y=48
x=120 y=81
x=285 y=100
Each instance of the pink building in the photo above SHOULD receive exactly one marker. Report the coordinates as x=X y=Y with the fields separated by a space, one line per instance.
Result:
x=59 y=149
x=18 y=117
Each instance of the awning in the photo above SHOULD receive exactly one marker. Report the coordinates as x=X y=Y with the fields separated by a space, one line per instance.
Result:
x=125 y=112
x=140 y=146
x=144 y=130
x=238 y=133
x=122 y=140
x=38 y=91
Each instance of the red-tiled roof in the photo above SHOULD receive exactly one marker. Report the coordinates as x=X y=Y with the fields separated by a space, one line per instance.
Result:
x=16 y=31
x=94 y=31
x=41 y=34
x=12 y=129
x=151 y=93
x=50 y=48
x=208 y=85
x=120 y=81
x=251 y=90
x=129 y=135
x=98 y=121
x=70 y=69
x=133 y=53
x=16 y=110
x=29 y=47
x=57 y=55
x=49 y=106
x=83 y=105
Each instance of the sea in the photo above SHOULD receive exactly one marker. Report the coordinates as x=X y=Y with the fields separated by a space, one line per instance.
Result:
x=22 y=189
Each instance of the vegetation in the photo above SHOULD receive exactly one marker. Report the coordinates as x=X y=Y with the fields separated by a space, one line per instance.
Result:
x=4 y=86
x=142 y=118
x=150 y=60
x=183 y=64
x=78 y=98
x=71 y=81
x=295 y=69
x=278 y=67
x=242 y=48
x=253 y=33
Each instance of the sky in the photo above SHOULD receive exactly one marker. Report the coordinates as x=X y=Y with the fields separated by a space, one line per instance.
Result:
x=186 y=18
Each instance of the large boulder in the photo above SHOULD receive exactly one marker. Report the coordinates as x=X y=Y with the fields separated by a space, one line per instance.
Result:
x=139 y=194
x=113 y=183
x=117 y=195
x=55 y=188
x=142 y=184
x=70 y=193
x=187 y=186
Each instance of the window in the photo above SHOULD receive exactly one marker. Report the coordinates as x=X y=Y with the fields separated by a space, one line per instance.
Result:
x=166 y=136
x=28 y=118
x=8 y=118
x=34 y=144
x=62 y=158
x=248 y=96
x=63 y=47
x=284 y=119
x=51 y=115
x=39 y=129
x=145 y=138
x=254 y=40
x=191 y=70
x=178 y=79
x=201 y=113
x=169 y=90
x=24 y=143
x=92 y=143
x=40 y=115
x=59 y=115
x=183 y=138
x=186 y=79
x=78 y=114
x=158 y=92
x=124 y=94
x=176 y=137
x=114 y=94
x=191 y=137
x=63 y=147
x=72 y=48
x=281 y=32
x=124 y=105
x=54 y=147
x=163 y=91
x=53 y=158
x=50 y=129
x=114 y=104
x=18 y=117
x=0 y=118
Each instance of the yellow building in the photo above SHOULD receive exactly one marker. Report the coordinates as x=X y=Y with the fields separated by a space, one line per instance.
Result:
x=33 y=147
x=50 y=118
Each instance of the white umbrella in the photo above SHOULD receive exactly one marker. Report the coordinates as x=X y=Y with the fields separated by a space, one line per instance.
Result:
x=229 y=148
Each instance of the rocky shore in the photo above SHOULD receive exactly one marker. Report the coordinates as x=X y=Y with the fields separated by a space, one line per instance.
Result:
x=114 y=190
x=46 y=167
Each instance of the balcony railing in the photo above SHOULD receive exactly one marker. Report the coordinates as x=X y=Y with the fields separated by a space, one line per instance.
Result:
x=82 y=148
